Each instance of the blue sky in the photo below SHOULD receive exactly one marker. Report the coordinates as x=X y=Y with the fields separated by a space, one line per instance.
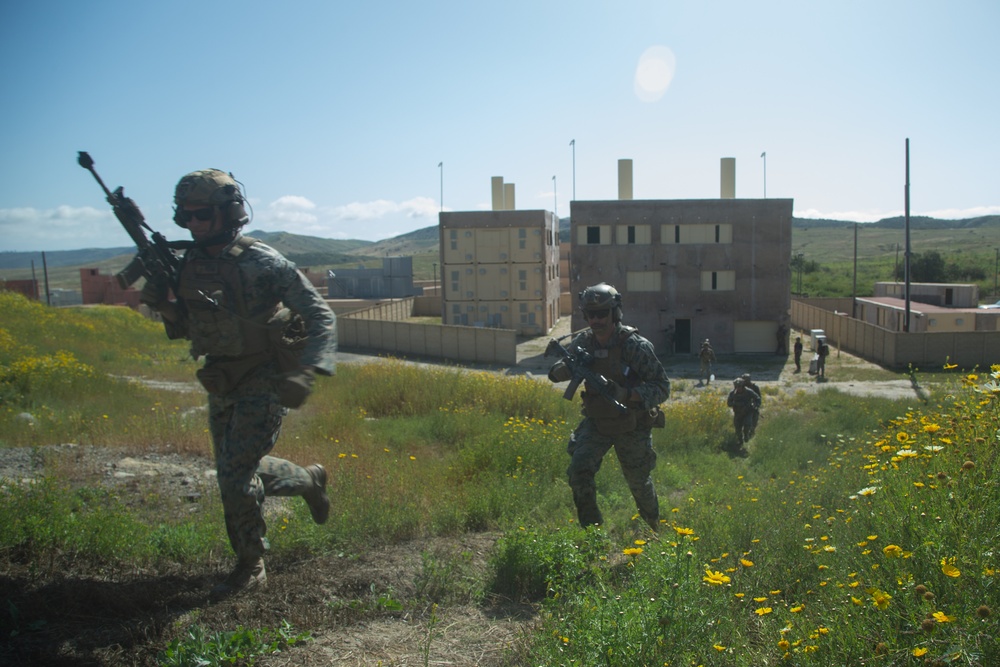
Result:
x=336 y=115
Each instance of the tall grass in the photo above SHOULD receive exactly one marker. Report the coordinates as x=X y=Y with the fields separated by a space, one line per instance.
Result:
x=857 y=531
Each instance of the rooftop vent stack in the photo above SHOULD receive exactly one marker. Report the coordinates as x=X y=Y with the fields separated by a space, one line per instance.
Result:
x=728 y=178
x=625 y=179
x=496 y=184
x=508 y=196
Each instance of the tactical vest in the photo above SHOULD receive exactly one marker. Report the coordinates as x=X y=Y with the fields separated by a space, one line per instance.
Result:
x=608 y=362
x=214 y=295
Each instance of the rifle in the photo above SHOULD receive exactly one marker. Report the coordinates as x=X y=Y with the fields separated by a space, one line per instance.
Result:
x=155 y=258
x=579 y=361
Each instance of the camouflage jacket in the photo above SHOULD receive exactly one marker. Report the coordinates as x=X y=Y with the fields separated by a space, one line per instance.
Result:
x=639 y=368
x=241 y=291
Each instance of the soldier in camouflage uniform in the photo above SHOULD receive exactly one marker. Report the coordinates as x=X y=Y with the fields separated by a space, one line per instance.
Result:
x=755 y=388
x=265 y=332
x=706 y=355
x=640 y=383
x=745 y=403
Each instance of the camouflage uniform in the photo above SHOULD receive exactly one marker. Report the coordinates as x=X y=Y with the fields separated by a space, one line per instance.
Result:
x=230 y=327
x=628 y=360
x=755 y=388
x=707 y=357
x=745 y=404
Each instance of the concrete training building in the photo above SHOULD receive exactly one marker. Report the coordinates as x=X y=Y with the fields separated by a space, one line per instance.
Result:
x=500 y=268
x=689 y=269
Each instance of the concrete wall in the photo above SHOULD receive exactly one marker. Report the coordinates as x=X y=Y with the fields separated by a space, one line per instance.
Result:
x=98 y=289
x=381 y=328
x=891 y=348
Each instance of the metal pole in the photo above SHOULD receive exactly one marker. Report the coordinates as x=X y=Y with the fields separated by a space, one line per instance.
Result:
x=441 y=167
x=573 y=144
x=906 y=255
x=996 y=271
x=555 y=198
x=45 y=274
x=854 y=289
x=764 y=155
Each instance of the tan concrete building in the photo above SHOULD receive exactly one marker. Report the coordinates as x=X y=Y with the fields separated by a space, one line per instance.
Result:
x=689 y=269
x=500 y=268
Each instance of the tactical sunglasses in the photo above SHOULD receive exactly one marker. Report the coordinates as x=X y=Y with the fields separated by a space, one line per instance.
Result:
x=597 y=314
x=201 y=214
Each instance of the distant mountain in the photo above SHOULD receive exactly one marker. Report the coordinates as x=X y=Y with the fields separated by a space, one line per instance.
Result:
x=898 y=222
x=303 y=250
x=317 y=251
x=412 y=243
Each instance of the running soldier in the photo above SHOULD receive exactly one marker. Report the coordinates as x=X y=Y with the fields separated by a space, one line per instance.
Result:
x=639 y=384
x=265 y=333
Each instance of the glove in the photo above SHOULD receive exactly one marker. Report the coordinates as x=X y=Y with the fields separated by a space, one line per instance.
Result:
x=294 y=388
x=154 y=292
x=560 y=372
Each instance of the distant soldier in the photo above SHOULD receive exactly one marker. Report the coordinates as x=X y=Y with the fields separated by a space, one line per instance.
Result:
x=752 y=386
x=782 y=336
x=669 y=338
x=745 y=404
x=707 y=357
x=822 y=352
x=798 y=354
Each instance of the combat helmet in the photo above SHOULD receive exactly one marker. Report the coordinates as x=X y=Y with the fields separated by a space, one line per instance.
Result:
x=601 y=296
x=211 y=187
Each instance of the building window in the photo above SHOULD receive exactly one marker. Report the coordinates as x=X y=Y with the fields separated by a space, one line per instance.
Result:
x=690 y=234
x=593 y=235
x=632 y=234
x=718 y=281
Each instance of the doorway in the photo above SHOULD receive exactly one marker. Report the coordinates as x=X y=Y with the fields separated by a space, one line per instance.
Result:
x=682 y=336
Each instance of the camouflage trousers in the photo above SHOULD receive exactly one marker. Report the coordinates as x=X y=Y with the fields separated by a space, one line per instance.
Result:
x=634 y=450
x=745 y=423
x=245 y=427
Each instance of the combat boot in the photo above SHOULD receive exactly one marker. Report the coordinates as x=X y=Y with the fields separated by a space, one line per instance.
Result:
x=316 y=498
x=247 y=574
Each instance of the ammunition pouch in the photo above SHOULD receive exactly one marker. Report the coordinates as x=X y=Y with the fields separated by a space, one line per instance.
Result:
x=222 y=376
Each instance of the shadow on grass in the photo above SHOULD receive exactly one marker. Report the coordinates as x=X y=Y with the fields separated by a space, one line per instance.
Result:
x=86 y=621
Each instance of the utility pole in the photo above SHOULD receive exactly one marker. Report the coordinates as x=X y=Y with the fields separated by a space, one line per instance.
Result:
x=906 y=255
x=573 y=144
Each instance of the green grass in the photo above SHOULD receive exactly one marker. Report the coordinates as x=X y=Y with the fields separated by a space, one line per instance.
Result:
x=858 y=530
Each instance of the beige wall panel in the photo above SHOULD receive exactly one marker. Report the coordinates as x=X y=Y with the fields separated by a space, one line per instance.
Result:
x=755 y=336
x=625 y=179
x=728 y=168
x=643 y=281
x=496 y=190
